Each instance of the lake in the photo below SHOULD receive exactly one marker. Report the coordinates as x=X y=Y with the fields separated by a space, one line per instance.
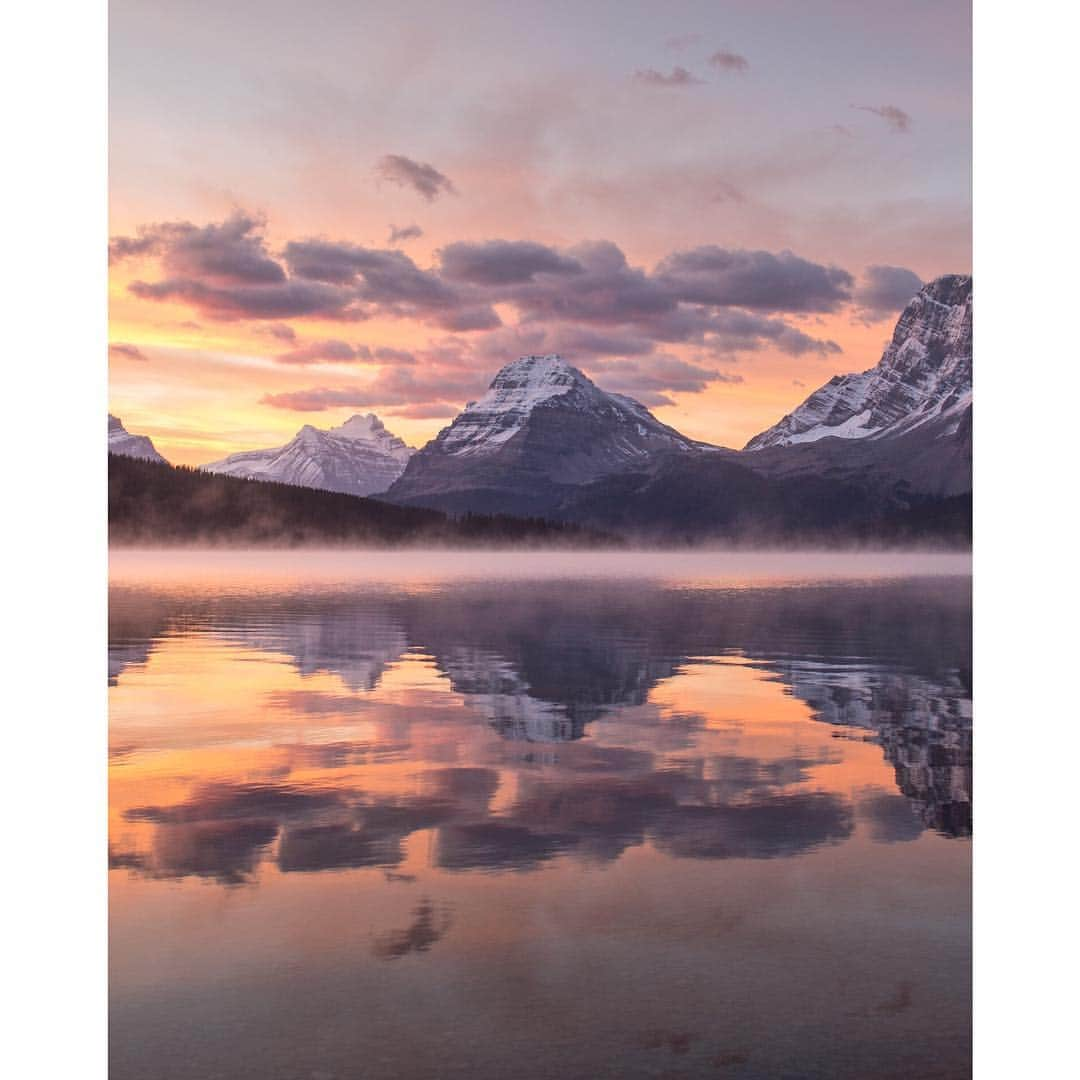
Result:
x=539 y=815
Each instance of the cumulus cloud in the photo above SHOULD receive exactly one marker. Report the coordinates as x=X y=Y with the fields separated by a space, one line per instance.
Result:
x=758 y=280
x=285 y=300
x=330 y=350
x=588 y=302
x=899 y=122
x=729 y=61
x=422 y=178
x=229 y=253
x=406 y=232
x=390 y=282
x=884 y=290
x=650 y=380
x=122 y=351
x=503 y=262
x=678 y=76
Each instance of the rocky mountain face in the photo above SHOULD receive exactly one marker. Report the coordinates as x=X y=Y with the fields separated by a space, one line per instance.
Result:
x=923 y=378
x=541 y=431
x=125 y=444
x=359 y=457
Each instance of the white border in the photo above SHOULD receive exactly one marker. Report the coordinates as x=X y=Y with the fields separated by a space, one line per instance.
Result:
x=1026 y=437
x=53 y=72
x=53 y=83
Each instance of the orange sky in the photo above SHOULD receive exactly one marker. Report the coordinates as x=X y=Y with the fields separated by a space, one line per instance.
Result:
x=845 y=141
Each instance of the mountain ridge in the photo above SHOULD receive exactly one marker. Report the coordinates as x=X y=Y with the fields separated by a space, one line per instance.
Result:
x=542 y=429
x=122 y=442
x=924 y=375
x=358 y=457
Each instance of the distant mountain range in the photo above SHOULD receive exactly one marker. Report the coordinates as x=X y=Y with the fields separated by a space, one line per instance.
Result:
x=883 y=454
x=359 y=457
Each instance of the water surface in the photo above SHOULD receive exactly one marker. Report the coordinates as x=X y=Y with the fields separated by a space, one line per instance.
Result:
x=539 y=816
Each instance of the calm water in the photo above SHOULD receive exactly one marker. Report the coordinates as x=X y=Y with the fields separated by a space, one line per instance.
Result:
x=523 y=816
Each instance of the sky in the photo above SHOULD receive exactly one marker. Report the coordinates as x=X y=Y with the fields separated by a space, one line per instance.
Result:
x=346 y=207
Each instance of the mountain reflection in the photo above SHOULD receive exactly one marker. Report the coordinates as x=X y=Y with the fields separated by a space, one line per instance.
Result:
x=556 y=719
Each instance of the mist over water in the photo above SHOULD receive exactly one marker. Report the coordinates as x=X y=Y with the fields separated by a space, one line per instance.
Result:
x=479 y=814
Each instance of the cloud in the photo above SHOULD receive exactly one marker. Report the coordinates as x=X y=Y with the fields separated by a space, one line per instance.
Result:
x=650 y=379
x=279 y=331
x=230 y=253
x=503 y=262
x=123 y=351
x=758 y=280
x=885 y=290
x=898 y=120
x=678 y=76
x=288 y=299
x=729 y=61
x=393 y=356
x=587 y=301
x=582 y=341
x=433 y=387
x=330 y=350
x=390 y=282
x=406 y=232
x=424 y=179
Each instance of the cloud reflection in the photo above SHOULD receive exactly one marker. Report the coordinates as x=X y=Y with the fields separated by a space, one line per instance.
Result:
x=555 y=747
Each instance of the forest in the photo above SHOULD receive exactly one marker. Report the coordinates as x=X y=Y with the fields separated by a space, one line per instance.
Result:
x=153 y=504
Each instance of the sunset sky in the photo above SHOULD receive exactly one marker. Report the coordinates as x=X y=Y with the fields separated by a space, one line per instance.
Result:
x=348 y=206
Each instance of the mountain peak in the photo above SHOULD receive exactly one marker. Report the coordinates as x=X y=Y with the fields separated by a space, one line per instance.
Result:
x=528 y=380
x=358 y=457
x=924 y=374
x=122 y=442
x=518 y=388
x=541 y=428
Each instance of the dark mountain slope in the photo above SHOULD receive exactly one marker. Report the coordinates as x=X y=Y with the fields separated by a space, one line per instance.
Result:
x=717 y=497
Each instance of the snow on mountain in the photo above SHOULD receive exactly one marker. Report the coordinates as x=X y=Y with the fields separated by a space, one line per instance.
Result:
x=542 y=425
x=532 y=382
x=358 y=457
x=924 y=375
x=125 y=444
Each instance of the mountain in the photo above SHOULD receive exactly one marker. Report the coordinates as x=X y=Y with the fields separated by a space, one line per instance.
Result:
x=541 y=431
x=544 y=439
x=154 y=503
x=125 y=444
x=923 y=378
x=359 y=457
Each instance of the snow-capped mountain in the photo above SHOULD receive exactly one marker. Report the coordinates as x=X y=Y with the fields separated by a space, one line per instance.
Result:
x=542 y=427
x=923 y=378
x=359 y=457
x=125 y=444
